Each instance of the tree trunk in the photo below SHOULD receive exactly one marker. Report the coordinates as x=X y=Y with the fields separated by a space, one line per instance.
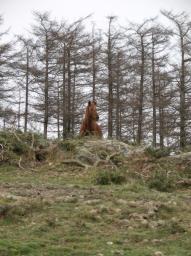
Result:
x=64 y=94
x=110 y=84
x=182 y=98
x=46 y=101
x=73 y=99
x=161 y=116
x=26 y=92
x=58 y=111
x=93 y=67
x=19 y=110
x=118 y=135
x=153 y=94
x=69 y=92
x=140 y=107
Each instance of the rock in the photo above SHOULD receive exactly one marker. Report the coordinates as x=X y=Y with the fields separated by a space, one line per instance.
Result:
x=117 y=210
x=156 y=241
x=158 y=253
x=70 y=199
x=153 y=224
x=144 y=222
x=92 y=202
x=121 y=201
x=93 y=211
x=86 y=157
x=100 y=152
x=125 y=222
x=161 y=222
x=174 y=219
x=118 y=253
x=109 y=243
x=108 y=146
x=103 y=208
x=130 y=228
x=98 y=218
x=12 y=197
x=151 y=213
x=133 y=203
x=135 y=216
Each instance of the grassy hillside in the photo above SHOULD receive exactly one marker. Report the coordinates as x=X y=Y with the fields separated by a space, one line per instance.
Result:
x=54 y=201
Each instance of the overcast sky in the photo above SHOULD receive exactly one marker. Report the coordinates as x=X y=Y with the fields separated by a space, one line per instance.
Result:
x=18 y=16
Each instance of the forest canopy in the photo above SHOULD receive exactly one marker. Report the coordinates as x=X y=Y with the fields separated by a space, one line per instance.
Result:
x=139 y=74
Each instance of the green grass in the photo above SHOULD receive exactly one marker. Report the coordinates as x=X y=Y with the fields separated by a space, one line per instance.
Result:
x=59 y=210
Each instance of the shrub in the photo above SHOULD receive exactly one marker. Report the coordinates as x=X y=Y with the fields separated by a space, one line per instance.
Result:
x=67 y=145
x=186 y=173
x=175 y=228
x=36 y=139
x=157 y=152
x=161 y=181
x=16 y=144
x=19 y=148
x=102 y=154
x=117 y=159
x=109 y=176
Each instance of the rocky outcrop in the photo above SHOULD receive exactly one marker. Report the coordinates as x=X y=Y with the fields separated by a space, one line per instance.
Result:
x=97 y=152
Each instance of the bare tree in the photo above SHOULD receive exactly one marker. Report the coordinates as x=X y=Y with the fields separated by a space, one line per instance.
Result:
x=110 y=45
x=6 y=64
x=182 y=31
x=45 y=32
x=159 y=61
x=140 y=42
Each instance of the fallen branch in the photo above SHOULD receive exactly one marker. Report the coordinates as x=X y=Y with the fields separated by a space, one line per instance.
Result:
x=16 y=136
x=32 y=143
x=76 y=162
x=184 y=182
x=19 y=164
x=143 y=177
x=105 y=163
x=108 y=158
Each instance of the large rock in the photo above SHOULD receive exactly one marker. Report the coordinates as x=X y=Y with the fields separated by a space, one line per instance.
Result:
x=109 y=146
x=90 y=151
x=97 y=152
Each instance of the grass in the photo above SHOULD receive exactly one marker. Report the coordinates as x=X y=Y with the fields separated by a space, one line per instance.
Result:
x=109 y=176
x=56 y=209
x=66 y=214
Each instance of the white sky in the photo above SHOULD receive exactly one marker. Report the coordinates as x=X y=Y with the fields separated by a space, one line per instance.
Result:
x=18 y=16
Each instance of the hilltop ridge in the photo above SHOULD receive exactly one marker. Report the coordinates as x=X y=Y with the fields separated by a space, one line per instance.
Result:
x=92 y=197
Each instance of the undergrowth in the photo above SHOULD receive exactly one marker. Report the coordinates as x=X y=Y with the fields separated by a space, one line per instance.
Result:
x=131 y=208
x=157 y=152
x=109 y=176
x=162 y=181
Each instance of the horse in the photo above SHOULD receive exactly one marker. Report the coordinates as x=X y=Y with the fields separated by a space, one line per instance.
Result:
x=89 y=124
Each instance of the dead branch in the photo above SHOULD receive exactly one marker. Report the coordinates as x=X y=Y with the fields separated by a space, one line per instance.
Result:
x=108 y=158
x=16 y=136
x=19 y=163
x=76 y=162
x=184 y=182
x=32 y=143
